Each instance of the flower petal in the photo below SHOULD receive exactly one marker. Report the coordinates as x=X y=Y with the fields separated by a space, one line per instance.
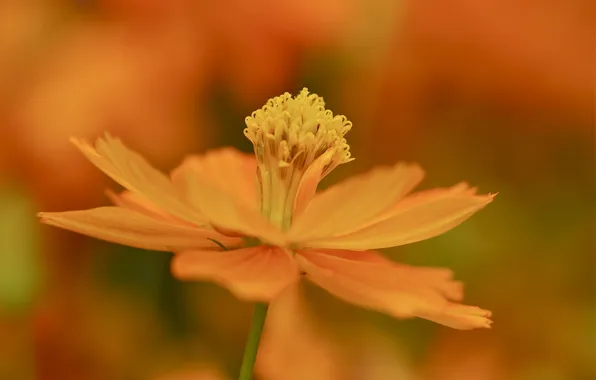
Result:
x=225 y=214
x=138 y=203
x=418 y=217
x=132 y=171
x=128 y=227
x=228 y=169
x=311 y=355
x=255 y=274
x=348 y=205
x=309 y=182
x=461 y=317
x=369 y=280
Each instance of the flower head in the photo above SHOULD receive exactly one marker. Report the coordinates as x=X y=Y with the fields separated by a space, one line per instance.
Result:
x=227 y=198
x=294 y=132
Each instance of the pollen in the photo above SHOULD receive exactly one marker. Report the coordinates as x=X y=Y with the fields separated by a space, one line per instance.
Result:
x=295 y=131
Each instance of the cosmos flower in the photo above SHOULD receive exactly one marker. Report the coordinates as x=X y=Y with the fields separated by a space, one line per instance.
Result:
x=255 y=224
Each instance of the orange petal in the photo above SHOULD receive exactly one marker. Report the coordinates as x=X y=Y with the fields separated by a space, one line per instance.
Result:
x=365 y=279
x=348 y=205
x=132 y=171
x=227 y=169
x=418 y=217
x=223 y=212
x=461 y=317
x=123 y=226
x=309 y=182
x=138 y=203
x=255 y=274
x=311 y=355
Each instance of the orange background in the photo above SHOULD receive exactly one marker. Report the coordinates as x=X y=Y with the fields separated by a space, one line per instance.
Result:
x=498 y=93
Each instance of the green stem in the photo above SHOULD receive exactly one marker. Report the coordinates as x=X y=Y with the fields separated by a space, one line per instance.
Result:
x=252 y=344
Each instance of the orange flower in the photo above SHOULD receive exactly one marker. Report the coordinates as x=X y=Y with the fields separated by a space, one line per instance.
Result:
x=274 y=228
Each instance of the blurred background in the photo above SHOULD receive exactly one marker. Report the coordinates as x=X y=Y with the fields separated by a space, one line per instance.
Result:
x=498 y=93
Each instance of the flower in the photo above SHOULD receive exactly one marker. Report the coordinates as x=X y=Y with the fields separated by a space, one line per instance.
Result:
x=275 y=229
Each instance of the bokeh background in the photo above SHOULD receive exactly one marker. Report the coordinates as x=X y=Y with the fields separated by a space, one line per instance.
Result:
x=498 y=93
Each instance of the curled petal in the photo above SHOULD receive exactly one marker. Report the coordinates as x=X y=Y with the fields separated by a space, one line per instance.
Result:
x=419 y=216
x=132 y=171
x=255 y=274
x=128 y=227
x=227 y=169
x=309 y=182
x=352 y=203
x=365 y=279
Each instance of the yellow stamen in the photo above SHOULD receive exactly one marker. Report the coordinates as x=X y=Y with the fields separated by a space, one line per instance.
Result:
x=288 y=135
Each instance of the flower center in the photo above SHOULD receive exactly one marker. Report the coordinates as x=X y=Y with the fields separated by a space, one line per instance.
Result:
x=288 y=135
